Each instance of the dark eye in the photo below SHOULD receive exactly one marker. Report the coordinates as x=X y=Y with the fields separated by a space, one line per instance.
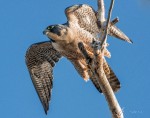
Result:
x=50 y=27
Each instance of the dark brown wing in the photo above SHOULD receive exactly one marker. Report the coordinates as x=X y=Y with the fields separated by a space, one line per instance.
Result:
x=112 y=78
x=84 y=16
x=40 y=60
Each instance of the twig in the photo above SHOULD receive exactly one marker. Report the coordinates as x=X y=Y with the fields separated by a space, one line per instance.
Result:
x=107 y=23
x=114 y=21
x=101 y=11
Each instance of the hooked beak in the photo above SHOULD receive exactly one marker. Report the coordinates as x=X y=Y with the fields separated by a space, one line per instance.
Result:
x=45 y=32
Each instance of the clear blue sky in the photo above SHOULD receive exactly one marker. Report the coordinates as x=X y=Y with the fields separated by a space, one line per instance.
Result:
x=22 y=23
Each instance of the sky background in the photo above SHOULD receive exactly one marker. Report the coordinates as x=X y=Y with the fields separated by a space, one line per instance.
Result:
x=22 y=23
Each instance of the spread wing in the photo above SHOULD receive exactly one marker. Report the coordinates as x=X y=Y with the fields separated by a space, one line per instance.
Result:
x=84 y=16
x=40 y=60
x=112 y=78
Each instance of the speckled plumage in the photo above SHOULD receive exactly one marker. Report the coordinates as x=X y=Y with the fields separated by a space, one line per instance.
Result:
x=82 y=26
x=40 y=60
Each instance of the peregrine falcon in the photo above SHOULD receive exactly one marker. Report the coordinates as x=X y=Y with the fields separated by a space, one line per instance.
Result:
x=82 y=26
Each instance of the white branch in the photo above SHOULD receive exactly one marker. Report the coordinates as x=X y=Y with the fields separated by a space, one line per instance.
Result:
x=101 y=11
x=96 y=64
x=107 y=22
x=96 y=69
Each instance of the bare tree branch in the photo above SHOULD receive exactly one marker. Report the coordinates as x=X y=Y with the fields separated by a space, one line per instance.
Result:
x=96 y=69
x=107 y=22
x=96 y=64
x=101 y=11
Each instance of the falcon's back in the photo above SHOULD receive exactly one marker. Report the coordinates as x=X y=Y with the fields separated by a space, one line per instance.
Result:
x=83 y=16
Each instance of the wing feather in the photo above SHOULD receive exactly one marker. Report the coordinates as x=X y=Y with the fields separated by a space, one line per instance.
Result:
x=112 y=78
x=83 y=15
x=81 y=67
x=40 y=60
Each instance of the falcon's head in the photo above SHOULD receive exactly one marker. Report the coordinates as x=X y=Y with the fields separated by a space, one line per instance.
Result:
x=58 y=33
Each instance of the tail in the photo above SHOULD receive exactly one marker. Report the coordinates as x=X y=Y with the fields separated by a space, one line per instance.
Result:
x=112 y=78
x=116 y=32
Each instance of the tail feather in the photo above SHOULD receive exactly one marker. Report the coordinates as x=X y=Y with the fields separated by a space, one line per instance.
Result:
x=112 y=78
x=116 y=32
